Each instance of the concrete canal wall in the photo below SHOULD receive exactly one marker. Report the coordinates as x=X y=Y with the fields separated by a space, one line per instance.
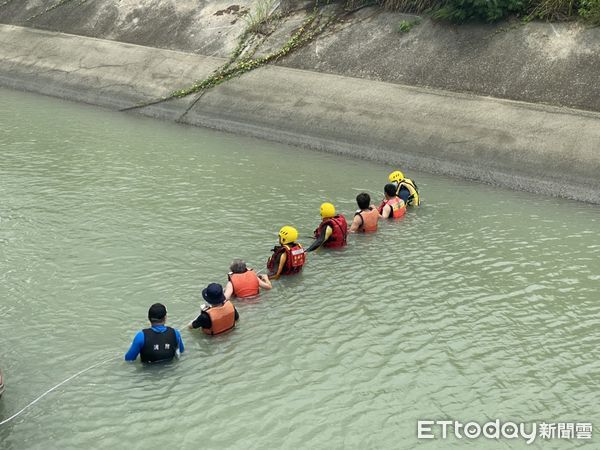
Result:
x=539 y=148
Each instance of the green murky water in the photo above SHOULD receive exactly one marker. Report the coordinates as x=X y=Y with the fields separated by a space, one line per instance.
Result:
x=482 y=304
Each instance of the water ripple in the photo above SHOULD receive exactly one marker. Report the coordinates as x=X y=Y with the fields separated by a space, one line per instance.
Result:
x=480 y=304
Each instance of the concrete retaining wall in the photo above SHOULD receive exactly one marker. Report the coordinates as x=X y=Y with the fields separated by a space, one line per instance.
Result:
x=536 y=148
x=536 y=62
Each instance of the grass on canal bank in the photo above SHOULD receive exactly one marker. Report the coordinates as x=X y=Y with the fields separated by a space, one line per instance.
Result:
x=460 y=11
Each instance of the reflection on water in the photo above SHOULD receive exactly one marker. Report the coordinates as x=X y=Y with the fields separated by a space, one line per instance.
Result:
x=481 y=304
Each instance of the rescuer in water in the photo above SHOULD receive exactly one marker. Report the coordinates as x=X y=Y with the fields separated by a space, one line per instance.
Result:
x=288 y=257
x=219 y=315
x=392 y=206
x=244 y=282
x=366 y=218
x=332 y=231
x=157 y=343
x=406 y=188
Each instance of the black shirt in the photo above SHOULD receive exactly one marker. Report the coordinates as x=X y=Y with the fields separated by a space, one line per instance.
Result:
x=203 y=320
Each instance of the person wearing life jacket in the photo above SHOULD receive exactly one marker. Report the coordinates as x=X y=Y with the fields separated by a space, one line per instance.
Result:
x=219 y=315
x=366 y=218
x=157 y=343
x=332 y=231
x=392 y=206
x=288 y=257
x=406 y=188
x=244 y=282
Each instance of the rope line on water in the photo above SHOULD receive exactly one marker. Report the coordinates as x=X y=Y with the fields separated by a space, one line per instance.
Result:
x=55 y=387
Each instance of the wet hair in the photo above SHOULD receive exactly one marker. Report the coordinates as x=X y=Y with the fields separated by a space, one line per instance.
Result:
x=364 y=200
x=238 y=266
x=157 y=313
x=390 y=189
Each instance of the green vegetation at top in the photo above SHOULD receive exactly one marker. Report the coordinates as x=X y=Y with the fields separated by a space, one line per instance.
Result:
x=260 y=16
x=492 y=10
x=406 y=25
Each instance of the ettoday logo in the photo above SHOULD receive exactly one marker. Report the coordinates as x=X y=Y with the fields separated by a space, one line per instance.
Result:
x=434 y=429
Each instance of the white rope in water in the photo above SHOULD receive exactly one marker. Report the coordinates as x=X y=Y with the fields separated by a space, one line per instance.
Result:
x=55 y=387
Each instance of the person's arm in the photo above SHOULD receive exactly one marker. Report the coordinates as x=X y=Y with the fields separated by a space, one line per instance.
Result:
x=179 y=341
x=325 y=234
x=136 y=347
x=228 y=290
x=202 y=321
x=264 y=282
x=378 y=215
x=356 y=223
x=280 y=266
x=386 y=211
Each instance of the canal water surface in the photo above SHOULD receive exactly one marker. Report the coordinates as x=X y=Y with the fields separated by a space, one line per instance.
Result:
x=482 y=304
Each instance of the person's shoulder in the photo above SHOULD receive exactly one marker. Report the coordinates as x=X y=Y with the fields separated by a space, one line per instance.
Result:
x=139 y=336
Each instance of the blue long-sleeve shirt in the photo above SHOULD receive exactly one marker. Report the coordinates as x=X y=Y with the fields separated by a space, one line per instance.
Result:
x=138 y=342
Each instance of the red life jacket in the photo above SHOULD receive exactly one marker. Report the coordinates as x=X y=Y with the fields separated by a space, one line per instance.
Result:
x=295 y=258
x=222 y=318
x=339 y=228
x=398 y=207
x=369 y=219
x=244 y=284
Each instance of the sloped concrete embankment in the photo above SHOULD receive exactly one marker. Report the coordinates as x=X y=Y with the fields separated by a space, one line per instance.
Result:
x=536 y=148
x=536 y=62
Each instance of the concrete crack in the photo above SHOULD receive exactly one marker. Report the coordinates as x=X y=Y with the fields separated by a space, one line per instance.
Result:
x=101 y=66
x=466 y=141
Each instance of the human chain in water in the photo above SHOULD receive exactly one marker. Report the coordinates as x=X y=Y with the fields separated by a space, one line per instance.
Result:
x=162 y=343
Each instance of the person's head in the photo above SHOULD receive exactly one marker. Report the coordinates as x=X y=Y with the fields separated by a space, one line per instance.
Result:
x=213 y=294
x=238 y=266
x=389 y=190
x=157 y=314
x=396 y=176
x=327 y=211
x=287 y=235
x=363 y=200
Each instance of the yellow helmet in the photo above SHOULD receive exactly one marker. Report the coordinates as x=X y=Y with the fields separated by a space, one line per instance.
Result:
x=327 y=210
x=288 y=234
x=396 y=176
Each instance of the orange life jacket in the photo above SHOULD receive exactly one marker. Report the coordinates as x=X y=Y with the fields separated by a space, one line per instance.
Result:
x=398 y=207
x=222 y=318
x=244 y=284
x=369 y=219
